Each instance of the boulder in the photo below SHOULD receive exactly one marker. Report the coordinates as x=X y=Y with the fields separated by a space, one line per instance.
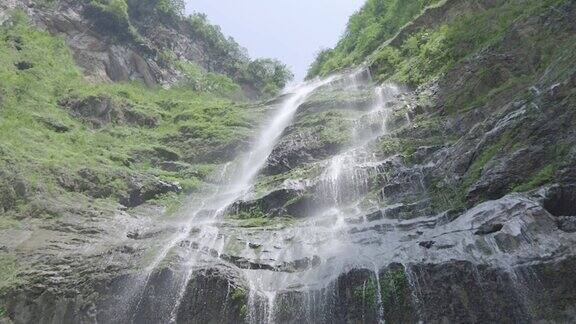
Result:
x=100 y=111
x=142 y=188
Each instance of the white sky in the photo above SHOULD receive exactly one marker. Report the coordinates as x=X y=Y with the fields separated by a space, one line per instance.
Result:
x=289 y=30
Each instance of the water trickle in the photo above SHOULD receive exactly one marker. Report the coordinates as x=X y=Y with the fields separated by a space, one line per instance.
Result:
x=379 y=302
x=199 y=233
x=313 y=252
x=343 y=182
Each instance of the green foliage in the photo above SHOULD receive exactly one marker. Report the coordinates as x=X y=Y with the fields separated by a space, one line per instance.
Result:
x=396 y=294
x=199 y=80
x=322 y=58
x=171 y=7
x=118 y=8
x=32 y=95
x=425 y=54
x=9 y=270
x=367 y=294
x=367 y=29
x=267 y=76
x=429 y=53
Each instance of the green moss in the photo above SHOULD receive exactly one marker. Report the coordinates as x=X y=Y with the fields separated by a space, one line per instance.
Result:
x=331 y=127
x=9 y=271
x=367 y=294
x=238 y=294
x=486 y=155
x=255 y=217
x=372 y=25
x=266 y=183
x=547 y=173
x=33 y=95
x=244 y=311
x=278 y=222
x=254 y=212
x=299 y=199
x=445 y=196
x=396 y=295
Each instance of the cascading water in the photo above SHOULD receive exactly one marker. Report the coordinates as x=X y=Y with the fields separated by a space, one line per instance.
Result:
x=200 y=231
x=325 y=236
x=356 y=251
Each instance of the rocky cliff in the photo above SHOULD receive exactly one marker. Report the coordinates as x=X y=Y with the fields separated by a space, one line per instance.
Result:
x=435 y=182
x=147 y=41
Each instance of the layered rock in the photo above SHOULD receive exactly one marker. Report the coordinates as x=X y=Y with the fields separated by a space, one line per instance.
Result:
x=443 y=217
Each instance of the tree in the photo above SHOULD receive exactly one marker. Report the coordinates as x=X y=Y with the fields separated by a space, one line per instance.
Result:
x=171 y=7
x=269 y=74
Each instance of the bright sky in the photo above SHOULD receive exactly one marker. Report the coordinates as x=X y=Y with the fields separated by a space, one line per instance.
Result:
x=289 y=30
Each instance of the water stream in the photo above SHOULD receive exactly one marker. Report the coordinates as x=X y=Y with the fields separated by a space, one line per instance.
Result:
x=309 y=254
x=203 y=213
x=347 y=241
x=325 y=236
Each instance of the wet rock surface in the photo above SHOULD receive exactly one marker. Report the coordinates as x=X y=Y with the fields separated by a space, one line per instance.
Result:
x=424 y=216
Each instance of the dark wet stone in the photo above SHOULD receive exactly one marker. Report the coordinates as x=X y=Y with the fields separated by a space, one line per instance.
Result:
x=567 y=224
x=377 y=215
x=24 y=65
x=427 y=244
x=486 y=229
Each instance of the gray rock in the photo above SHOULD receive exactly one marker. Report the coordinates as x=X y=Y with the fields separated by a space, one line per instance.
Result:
x=489 y=228
x=99 y=111
x=567 y=224
x=143 y=188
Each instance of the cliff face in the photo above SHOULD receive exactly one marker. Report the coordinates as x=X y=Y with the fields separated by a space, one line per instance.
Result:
x=449 y=198
x=140 y=42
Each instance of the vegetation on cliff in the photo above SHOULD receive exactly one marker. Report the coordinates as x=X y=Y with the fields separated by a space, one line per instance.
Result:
x=59 y=131
x=481 y=54
x=379 y=35
x=373 y=24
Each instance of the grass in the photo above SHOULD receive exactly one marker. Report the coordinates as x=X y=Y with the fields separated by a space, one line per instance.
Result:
x=396 y=294
x=38 y=153
x=9 y=270
x=374 y=23
x=427 y=53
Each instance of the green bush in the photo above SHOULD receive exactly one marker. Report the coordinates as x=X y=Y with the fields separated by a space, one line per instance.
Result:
x=425 y=54
x=367 y=29
x=267 y=76
x=171 y=7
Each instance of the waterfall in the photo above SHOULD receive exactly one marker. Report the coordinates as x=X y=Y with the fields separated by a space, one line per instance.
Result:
x=326 y=234
x=233 y=182
x=321 y=246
